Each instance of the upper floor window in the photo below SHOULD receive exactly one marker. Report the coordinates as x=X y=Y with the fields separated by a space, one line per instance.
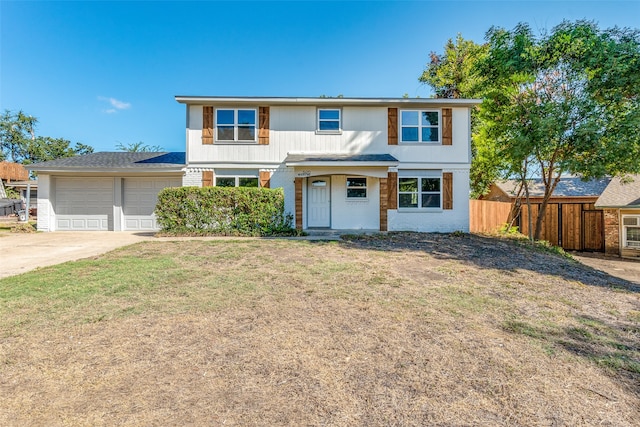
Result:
x=356 y=187
x=420 y=126
x=419 y=192
x=631 y=234
x=329 y=120
x=236 y=125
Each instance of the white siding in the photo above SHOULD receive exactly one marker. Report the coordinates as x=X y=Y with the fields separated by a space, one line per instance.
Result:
x=364 y=131
x=293 y=130
x=444 y=221
x=284 y=178
x=45 y=209
x=354 y=214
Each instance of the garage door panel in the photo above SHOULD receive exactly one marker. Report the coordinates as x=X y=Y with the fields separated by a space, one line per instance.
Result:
x=84 y=204
x=140 y=198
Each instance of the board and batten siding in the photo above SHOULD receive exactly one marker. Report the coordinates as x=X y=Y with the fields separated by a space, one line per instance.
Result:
x=293 y=129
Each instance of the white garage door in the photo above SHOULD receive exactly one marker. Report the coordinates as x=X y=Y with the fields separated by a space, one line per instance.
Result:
x=140 y=197
x=84 y=204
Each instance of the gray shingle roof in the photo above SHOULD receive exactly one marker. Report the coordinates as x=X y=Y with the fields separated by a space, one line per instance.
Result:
x=621 y=194
x=567 y=187
x=114 y=160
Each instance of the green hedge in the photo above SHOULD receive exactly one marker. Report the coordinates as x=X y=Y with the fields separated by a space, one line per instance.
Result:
x=228 y=211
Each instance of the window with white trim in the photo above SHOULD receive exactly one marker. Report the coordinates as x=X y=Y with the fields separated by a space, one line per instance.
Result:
x=236 y=125
x=419 y=192
x=420 y=126
x=236 y=181
x=356 y=187
x=631 y=231
x=329 y=120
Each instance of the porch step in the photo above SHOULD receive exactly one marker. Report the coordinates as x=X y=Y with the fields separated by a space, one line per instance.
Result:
x=327 y=234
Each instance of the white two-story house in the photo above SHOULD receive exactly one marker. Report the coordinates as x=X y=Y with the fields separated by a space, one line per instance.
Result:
x=343 y=163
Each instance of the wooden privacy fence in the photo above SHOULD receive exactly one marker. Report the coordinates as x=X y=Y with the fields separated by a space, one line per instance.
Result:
x=570 y=224
x=574 y=226
x=13 y=172
x=486 y=216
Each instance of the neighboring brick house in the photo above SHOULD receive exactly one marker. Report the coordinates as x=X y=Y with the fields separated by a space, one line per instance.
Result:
x=620 y=202
x=343 y=163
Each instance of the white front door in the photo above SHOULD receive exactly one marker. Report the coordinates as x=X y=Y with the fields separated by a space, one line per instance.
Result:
x=319 y=201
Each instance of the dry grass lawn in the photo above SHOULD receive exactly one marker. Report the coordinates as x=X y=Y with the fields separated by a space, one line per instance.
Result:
x=405 y=329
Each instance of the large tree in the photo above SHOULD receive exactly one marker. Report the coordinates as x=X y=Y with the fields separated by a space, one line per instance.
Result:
x=564 y=102
x=567 y=101
x=19 y=143
x=455 y=74
x=15 y=130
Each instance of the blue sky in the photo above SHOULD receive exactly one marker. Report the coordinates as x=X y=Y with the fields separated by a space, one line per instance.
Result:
x=104 y=73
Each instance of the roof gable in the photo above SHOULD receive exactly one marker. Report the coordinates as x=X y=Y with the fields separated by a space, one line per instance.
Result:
x=620 y=193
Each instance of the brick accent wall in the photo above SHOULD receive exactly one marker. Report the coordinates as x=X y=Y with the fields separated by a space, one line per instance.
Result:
x=384 y=196
x=298 y=184
x=611 y=232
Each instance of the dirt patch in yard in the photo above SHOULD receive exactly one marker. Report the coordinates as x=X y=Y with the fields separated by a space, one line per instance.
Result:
x=402 y=329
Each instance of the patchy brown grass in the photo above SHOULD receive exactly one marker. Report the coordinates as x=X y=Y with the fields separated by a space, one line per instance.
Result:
x=404 y=329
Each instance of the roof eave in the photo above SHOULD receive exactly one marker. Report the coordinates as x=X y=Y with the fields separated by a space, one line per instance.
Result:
x=340 y=163
x=239 y=100
x=144 y=170
x=616 y=206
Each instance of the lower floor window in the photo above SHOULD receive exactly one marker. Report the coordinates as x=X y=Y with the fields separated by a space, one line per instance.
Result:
x=236 y=181
x=631 y=231
x=419 y=192
x=356 y=188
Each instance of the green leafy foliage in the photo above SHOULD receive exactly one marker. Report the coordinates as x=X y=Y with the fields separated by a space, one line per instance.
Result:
x=139 y=147
x=15 y=130
x=19 y=143
x=566 y=101
x=44 y=148
x=454 y=74
x=237 y=211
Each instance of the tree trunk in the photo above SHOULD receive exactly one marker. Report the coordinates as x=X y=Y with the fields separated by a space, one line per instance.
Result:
x=550 y=187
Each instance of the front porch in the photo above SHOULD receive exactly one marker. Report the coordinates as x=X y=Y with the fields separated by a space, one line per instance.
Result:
x=343 y=192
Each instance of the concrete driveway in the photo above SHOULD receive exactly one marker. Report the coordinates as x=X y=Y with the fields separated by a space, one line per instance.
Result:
x=22 y=252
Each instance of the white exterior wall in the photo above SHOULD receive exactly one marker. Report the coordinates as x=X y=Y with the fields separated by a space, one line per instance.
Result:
x=414 y=156
x=354 y=214
x=293 y=129
x=45 y=207
x=192 y=178
x=284 y=178
x=443 y=221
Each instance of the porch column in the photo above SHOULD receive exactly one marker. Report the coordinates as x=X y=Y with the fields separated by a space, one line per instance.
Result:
x=384 y=197
x=298 y=194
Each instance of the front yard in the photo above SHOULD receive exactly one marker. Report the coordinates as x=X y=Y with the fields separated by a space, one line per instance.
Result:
x=404 y=329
